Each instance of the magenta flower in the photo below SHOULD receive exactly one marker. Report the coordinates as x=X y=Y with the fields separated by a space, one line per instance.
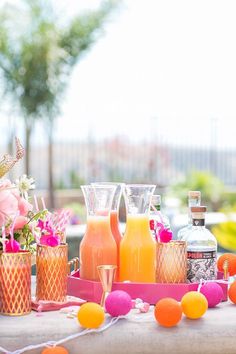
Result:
x=48 y=238
x=12 y=246
x=165 y=235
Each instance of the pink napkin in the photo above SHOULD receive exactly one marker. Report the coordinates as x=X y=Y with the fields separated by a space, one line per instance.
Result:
x=42 y=305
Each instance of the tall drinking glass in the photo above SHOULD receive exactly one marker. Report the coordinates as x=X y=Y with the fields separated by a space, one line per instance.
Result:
x=98 y=246
x=137 y=248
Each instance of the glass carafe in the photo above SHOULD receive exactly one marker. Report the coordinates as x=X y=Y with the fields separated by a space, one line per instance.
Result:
x=137 y=248
x=114 y=216
x=98 y=246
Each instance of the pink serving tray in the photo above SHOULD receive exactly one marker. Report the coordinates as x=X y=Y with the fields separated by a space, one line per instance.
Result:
x=151 y=293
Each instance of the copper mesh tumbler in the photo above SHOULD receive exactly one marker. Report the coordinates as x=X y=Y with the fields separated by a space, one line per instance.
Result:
x=51 y=273
x=171 y=262
x=15 y=283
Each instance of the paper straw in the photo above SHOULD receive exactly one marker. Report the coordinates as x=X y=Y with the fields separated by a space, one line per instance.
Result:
x=43 y=203
x=3 y=238
x=62 y=219
x=36 y=203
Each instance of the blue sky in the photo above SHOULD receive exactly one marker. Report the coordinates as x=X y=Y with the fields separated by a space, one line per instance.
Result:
x=164 y=68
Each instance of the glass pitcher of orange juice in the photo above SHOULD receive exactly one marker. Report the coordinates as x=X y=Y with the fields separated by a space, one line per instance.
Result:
x=114 y=216
x=137 y=248
x=98 y=246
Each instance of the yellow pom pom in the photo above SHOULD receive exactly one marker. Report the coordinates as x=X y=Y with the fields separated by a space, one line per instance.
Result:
x=55 y=350
x=194 y=304
x=91 y=315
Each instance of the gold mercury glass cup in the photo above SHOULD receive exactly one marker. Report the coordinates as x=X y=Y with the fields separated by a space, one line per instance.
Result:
x=171 y=262
x=15 y=283
x=51 y=273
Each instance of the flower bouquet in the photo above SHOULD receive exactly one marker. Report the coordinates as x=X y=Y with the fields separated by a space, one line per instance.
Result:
x=24 y=228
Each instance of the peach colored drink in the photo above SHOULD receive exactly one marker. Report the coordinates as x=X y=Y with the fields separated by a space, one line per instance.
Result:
x=98 y=247
x=138 y=251
x=117 y=236
x=51 y=272
x=115 y=227
x=15 y=283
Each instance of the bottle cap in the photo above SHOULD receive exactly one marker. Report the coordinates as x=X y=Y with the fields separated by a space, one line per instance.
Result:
x=194 y=194
x=198 y=209
x=156 y=199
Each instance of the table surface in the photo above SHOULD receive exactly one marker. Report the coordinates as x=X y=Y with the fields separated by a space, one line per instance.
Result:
x=137 y=334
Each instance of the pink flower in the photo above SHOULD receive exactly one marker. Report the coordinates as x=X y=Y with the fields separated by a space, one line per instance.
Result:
x=24 y=206
x=153 y=225
x=48 y=240
x=13 y=246
x=11 y=202
x=8 y=202
x=165 y=235
x=20 y=222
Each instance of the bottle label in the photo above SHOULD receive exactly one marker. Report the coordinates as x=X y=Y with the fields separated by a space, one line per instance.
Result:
x=198 y=222
x=201 y=265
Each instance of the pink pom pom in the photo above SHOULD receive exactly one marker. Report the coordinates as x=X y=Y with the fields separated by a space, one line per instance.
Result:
x=165 y=235
x=12 y=247
x=118 y=303
x=213 y=293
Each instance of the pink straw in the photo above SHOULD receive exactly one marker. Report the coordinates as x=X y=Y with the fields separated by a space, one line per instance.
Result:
x=62 y=219
x=36 y=203
x=3 y=238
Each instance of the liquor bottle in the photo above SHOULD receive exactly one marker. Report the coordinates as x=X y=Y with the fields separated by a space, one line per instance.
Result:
x=201 y=248
x=158 y=221
x=194 y=199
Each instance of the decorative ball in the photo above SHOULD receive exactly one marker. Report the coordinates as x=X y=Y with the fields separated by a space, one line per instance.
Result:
x=232 y=292
x=118 y=303
x=168 y=312
x=55 y=350
x=213 y=293
x=91 y=315
x=194 y=304
x=231 y=258
x=12 y=246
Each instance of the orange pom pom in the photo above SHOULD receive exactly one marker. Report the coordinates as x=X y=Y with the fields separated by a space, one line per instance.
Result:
x=232 y=292
x=168 y=312
x=231 y=258
x=194 y=304
x=91 y=315
x=55 y=350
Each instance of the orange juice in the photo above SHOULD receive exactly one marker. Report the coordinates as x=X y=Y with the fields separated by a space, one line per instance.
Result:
x=98 y=247
x=138 y=251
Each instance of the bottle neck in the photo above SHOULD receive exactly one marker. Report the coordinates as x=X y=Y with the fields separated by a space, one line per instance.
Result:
x=191 y=203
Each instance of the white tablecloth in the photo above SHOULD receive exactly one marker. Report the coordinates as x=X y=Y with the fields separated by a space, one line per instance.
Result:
x=215 y=333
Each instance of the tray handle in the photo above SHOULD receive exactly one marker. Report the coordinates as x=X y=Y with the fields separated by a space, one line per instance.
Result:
x=75 y=263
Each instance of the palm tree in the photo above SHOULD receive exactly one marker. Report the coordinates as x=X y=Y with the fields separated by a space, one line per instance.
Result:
x=37 y=58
